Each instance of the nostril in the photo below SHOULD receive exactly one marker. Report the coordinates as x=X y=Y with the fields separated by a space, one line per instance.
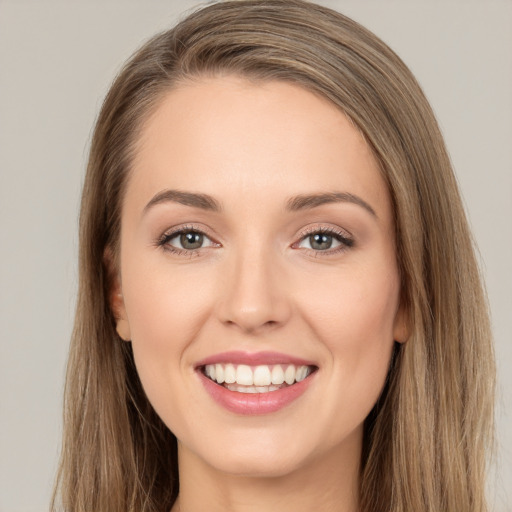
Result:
x=254 y=299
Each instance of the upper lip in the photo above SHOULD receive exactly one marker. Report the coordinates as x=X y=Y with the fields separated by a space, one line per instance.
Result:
x=254 y=359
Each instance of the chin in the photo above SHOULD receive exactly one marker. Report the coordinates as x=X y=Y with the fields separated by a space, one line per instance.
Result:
x=258 y=455
x=257 y=466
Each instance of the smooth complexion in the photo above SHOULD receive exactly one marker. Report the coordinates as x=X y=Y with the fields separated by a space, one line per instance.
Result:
x=259 y=281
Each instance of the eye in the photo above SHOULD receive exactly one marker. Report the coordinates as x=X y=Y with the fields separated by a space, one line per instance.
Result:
x=185 y=240
x=325 y=240
x=189 y=240
x=319 y=242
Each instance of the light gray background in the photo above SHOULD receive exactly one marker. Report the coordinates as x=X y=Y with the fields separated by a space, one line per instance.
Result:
x=56 y=62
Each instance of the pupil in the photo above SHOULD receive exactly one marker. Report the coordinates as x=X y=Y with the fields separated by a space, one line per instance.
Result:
x=191 y=240
x=321 y=241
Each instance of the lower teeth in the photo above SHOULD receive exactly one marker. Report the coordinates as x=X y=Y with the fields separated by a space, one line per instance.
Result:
x=252 y=389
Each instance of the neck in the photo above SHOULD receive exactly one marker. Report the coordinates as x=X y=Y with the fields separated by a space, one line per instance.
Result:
x=328 y=483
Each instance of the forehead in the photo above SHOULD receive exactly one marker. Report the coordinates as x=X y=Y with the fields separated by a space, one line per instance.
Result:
x=265 y=140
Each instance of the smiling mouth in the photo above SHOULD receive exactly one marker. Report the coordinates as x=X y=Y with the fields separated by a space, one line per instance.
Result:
x=256 y=379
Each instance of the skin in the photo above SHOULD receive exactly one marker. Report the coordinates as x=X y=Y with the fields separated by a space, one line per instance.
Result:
x=257 y=284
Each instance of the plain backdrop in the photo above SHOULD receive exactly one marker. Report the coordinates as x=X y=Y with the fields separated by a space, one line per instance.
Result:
x=57 y=60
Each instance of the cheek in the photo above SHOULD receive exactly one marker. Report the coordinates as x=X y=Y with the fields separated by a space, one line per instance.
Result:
x=170 y=315
x=161 y=324
x=163 y=307
x=354 y=320
x=166 y=309
x=350 y=306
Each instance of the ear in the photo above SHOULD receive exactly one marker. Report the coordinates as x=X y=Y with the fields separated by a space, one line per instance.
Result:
x=401 y=326
x=115 y=295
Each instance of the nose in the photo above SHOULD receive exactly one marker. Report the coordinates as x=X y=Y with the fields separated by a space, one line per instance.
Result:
x=254 y=293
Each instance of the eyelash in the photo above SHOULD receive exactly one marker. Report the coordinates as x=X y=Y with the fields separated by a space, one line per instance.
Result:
x=163 y=241
x=346 y=242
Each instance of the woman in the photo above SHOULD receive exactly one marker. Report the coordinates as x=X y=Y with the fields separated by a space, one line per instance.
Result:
x=279 y=305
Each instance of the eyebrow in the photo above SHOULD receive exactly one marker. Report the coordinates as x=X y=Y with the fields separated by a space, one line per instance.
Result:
x=308 y=201
x=296 y=203
x=203 y=201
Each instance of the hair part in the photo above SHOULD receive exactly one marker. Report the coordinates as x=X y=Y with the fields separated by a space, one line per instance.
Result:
x=426 y=440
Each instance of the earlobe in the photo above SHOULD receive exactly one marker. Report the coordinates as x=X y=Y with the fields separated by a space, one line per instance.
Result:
x=119 y=312
x=401 y=328
x=115 y=297
x=123 y=329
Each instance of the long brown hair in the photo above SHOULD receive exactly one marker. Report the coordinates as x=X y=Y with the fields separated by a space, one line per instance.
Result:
x=426 y=440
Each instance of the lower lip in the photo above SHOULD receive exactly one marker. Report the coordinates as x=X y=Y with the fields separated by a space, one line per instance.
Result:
x=254 y=403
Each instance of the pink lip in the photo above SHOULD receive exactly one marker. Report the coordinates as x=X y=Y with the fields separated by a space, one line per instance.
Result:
x=254 y=359
x=254 y=403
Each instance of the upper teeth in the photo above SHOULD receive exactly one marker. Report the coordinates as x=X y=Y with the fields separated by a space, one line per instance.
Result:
x=262 y=375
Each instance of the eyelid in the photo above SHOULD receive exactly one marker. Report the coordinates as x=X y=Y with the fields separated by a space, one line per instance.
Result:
x=345 y=239
x=170 y=233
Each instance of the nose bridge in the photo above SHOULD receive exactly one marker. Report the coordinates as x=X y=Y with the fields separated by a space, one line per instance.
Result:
x=253 y=291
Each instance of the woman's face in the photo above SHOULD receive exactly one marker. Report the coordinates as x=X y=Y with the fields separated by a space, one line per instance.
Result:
x=257 y=245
